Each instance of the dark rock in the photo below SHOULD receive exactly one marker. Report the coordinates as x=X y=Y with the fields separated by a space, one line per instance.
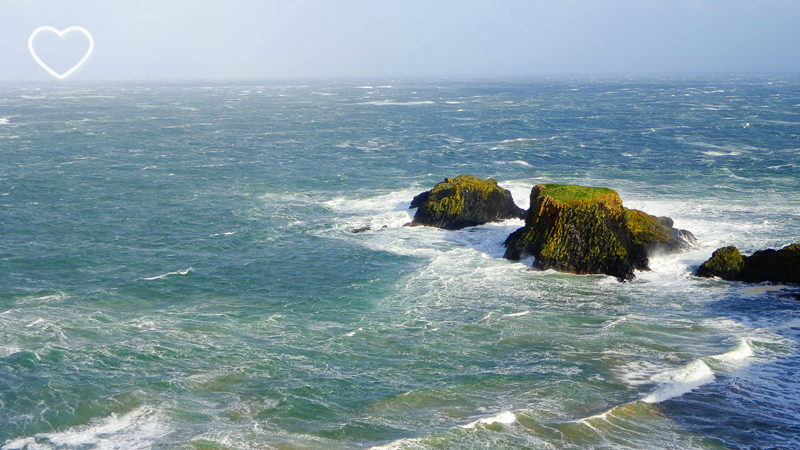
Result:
x=586 y=230
x=777 y=266
x=464 y=201
x=657 y=234
x=726 y=263
x=361 y=230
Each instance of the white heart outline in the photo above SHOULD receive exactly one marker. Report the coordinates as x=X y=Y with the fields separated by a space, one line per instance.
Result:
x=61 y=34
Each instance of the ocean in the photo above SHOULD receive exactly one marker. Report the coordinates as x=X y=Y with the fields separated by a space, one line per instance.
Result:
x=178 y=268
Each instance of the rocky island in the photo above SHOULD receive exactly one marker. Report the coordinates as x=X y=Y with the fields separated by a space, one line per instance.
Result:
x=464 y=201
x=777 y=266
x=586 y=230
x=568 y=228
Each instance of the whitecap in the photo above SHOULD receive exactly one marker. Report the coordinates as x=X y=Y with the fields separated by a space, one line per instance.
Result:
x=388 y=102
x=518 y=162
x=8 y=350
x=601 y=416
x=395 y=445
x=715 y=153
x=353 y=333
x=679 y=381
x=177 y=272
x=737 y=355
x=34 y=323
x=508 y=141
x=137 y=430
x=4 y=120
x=506 y=417
x=523 y=313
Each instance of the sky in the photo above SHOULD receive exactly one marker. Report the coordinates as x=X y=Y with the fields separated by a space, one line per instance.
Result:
x=346 y=39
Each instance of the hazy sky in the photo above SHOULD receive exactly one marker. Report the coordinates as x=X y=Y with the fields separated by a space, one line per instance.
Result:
x=249 y=39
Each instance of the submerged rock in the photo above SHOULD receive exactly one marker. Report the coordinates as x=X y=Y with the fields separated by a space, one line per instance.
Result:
x=586 y=230
x=464 y=201
x=778 y=266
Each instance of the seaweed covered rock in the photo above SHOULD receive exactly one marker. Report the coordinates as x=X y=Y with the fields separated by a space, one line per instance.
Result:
x=464 y=201
x=586 y=230
x=778 y=266
x=657 y=234
x=726 y=263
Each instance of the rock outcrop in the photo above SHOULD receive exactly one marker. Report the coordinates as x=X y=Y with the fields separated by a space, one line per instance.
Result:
x=586 y=230
x=464 y=201
x=778 y=266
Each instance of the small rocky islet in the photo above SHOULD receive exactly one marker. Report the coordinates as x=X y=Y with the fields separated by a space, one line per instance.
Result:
x=587 y=230
x=777 y=266
x=464 y=201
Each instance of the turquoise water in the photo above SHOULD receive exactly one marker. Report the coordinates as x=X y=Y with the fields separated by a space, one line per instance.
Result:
x=178 y=271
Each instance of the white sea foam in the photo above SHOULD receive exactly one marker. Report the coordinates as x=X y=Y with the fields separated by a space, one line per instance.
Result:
x=4 y=120
x=392 y=201
x=389 y=102
x=713 y=153
x=353 y=333
x=137 y=430
x=601 y=416
x=523 y=313
x=389 y=210
x=396 y=445
x=45 y=298
x=679 y=381
x=35 y=322
x=516 y=161
x=637 y=372
x=738 y=355
x=8 y=350
x=612 y=323
x=177 y=272
x=505 y=417
x=509 y=141
x=521 y=190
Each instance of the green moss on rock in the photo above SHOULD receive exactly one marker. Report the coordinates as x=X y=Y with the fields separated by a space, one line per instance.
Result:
x=571 y=194
x=464 y=201
x=725 y=262
x=586 y=230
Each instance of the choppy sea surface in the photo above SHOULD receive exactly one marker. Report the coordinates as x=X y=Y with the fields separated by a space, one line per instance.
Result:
x=178 y=268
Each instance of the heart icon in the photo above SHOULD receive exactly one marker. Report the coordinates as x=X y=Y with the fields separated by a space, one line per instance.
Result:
x=61 y=34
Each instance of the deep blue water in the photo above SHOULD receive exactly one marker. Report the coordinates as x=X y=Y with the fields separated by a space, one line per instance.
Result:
x=177 y=267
